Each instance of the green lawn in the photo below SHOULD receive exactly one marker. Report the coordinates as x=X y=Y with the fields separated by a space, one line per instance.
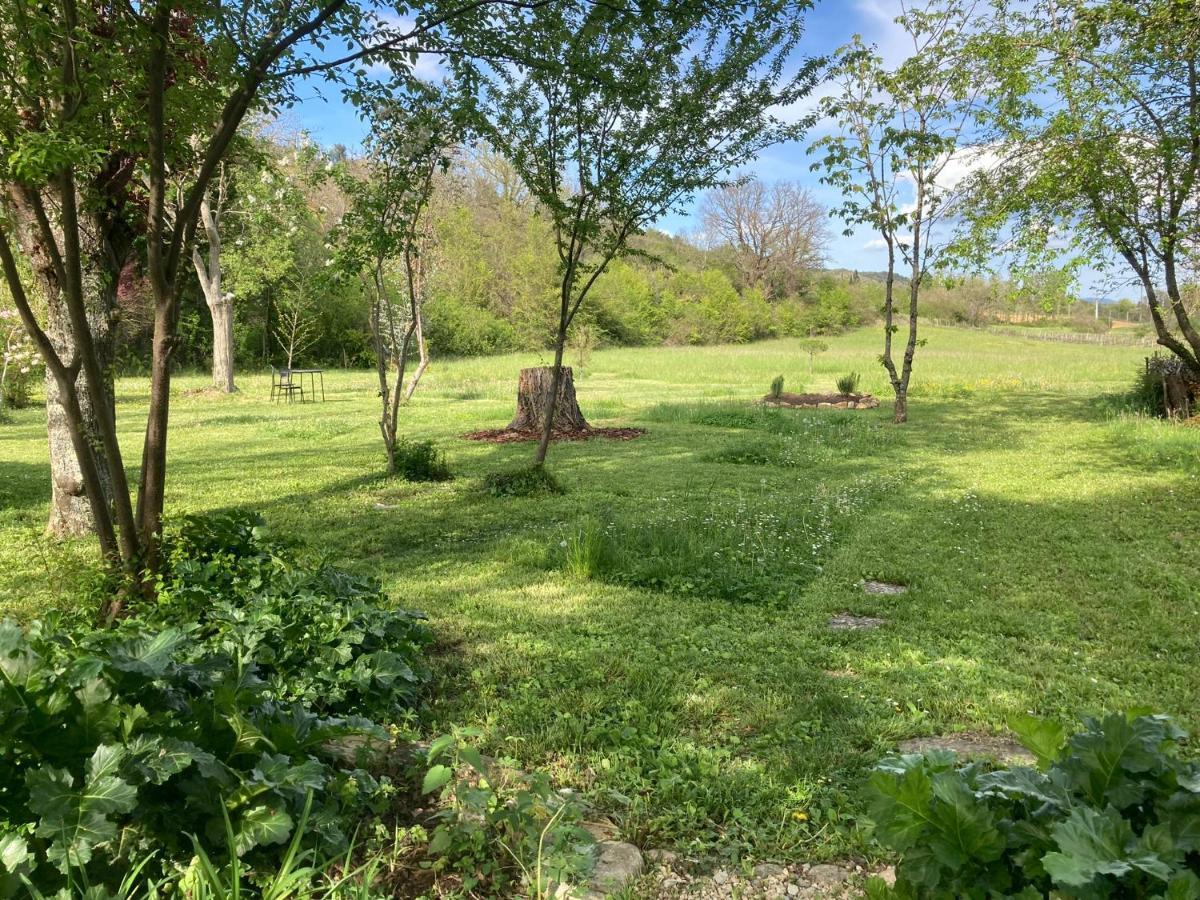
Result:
x=681 y=672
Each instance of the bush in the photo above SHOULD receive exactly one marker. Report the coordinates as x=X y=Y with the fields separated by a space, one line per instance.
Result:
x=531 y=481
x=235 y=699
x=1147 y=394
x=501 y=828
x=318 y=635
x=1110 y=812
x=776 y=387
x=421 y=461
x=848 y=384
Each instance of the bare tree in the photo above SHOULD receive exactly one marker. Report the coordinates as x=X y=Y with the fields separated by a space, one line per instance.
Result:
x=778 y=232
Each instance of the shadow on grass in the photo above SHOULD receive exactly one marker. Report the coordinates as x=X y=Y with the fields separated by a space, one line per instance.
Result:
x=23 y=485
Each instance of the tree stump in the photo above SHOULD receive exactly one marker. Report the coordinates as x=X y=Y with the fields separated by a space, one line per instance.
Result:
x=533 y=397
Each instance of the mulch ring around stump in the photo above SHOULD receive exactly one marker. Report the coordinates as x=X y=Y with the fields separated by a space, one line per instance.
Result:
x=514 y=436
x=821 y=401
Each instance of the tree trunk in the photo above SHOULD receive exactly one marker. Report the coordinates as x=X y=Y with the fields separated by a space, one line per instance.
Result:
x=900 y=415
x=533 y=399
x=70 y=509
x=1177 y=396
x=222 y=353
x=423 y=362
x=220 y=305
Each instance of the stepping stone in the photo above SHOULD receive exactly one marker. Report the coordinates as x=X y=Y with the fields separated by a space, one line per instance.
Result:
x=828 y=875
x=883 y=587
x=974 y=744
x=847 y=622
x=617 y=864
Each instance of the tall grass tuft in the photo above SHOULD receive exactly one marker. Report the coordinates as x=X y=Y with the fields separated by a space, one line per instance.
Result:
x=777 y=387
x=585 y=550
x=848 y=384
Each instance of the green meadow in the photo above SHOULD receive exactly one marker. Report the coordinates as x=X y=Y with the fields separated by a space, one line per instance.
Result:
x=657 y=635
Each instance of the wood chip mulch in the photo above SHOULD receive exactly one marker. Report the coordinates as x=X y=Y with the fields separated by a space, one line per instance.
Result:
x=510 y=436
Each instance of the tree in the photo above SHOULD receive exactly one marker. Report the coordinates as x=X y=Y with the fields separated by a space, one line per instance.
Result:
x=895 y=156
x=1097 y=124
x=812 y=347
x=614 y=115
x=114 y=121
x=778 y=233
x=413 y=137
x=220 y=303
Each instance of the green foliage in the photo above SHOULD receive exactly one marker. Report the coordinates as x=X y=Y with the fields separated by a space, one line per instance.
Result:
x=316 y=634
x=421 y=461
x=224 y=711
x=776 y=387
x=528 y=481
x=585 y=550
x=500 y=828
x=1111 y=811
x=754 y=548
x=1147 y=395
x=848 y=384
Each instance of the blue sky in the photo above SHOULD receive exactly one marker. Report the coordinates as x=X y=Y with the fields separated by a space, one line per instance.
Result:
x=831 y=24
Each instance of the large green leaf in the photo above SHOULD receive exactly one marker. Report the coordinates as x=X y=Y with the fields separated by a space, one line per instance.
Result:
x=77 y=820
x=14 y=852
x=965 y=829
x=261 y=825
x=1092 y=844
x=900 y=807
x=1044 y=738
x=1115 y=760
x=1024 y=783
x=148 y=655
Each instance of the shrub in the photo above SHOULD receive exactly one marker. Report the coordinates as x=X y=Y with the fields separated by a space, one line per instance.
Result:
x=530 y=481
x=1146 y=395
x=1110 y=812
x=421 y=461
x=776 y=387
x=501 y=828
x=848 y=384
x=220 y=713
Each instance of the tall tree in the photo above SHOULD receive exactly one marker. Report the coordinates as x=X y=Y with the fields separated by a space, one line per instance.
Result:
x=614 y=115
x=1097 y=123
x=897 y=154
x=778 y=232
x=97 y=93
x=413 y=137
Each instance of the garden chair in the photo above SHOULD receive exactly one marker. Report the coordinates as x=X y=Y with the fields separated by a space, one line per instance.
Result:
x=283 y=385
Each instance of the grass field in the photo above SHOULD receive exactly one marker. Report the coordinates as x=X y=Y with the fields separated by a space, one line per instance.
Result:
x=656 y=636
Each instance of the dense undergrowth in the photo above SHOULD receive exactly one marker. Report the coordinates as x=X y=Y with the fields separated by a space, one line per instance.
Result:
x=223 y=711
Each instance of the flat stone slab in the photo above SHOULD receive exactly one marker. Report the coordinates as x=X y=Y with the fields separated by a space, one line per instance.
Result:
x=847 y=622
x=617 y=864
x=883 y=587
x=973 y=744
